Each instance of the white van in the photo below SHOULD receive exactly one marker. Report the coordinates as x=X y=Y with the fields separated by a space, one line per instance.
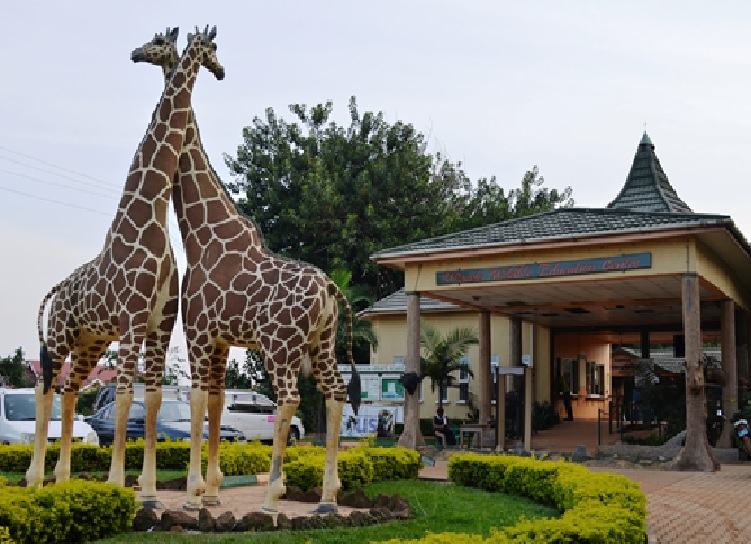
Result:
x=253 y=414
x=18 y=419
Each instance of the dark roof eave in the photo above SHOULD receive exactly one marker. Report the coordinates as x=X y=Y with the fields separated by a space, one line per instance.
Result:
x=693 y=225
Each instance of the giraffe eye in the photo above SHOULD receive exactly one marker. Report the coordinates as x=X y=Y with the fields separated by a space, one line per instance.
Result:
x=159 y=41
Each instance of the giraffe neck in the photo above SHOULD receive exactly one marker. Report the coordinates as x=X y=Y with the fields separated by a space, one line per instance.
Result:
x=202 y=203
x=148 y=187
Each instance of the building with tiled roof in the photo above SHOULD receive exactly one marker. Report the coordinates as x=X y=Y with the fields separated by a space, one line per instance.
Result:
x=559 y=289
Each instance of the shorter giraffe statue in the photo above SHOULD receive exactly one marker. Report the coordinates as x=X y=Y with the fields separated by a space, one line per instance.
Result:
x=235 y=292
x=129 y=292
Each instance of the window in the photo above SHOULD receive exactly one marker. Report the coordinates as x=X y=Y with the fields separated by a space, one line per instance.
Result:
x=569 y=371
x=464 y=380
x=595 y=378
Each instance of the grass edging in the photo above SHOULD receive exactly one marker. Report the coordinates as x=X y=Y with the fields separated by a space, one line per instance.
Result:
x=597 y=507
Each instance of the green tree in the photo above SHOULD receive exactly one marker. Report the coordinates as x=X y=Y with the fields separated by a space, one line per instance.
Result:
x=13 y=369
x=442 y=355
x=486 y=202
x=333 y=195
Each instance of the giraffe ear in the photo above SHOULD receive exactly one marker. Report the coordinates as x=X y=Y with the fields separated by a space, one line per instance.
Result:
x=212 y=34
x=173 y=34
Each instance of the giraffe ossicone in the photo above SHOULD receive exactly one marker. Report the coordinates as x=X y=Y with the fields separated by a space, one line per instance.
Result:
x=235 y=292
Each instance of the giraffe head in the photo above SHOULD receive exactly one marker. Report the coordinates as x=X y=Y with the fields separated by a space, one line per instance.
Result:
x=204 y=42
x=160 y=51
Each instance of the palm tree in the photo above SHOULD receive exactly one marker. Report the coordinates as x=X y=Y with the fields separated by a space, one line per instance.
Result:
x=443 y=356
x=363 y=335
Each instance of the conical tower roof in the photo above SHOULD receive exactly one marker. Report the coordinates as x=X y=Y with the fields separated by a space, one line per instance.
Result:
x=647 y=188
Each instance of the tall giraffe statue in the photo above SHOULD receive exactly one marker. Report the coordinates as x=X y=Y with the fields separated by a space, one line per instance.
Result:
x=235 y=292
x=126 y=292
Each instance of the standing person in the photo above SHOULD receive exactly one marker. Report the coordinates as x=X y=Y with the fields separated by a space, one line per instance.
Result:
x=566 y=390
x=442 y=429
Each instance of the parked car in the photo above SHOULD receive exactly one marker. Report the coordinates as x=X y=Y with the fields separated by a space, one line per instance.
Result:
x=254 y=414
x=172 y=421
x=18 y=419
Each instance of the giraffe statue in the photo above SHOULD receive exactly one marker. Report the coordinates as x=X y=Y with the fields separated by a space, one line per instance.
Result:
x=236 y=293
x=128 y=290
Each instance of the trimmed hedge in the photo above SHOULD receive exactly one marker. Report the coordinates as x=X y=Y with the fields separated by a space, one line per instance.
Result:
x=75 y=511
x=357 y=467
x=597 y=507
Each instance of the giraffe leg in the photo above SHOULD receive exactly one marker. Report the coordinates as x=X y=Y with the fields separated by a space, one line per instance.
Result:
x=155 y=355
x=35 y=472
x=214 y=475
x=276 y=487
x=83 y=360
x=196 y=483
x=331 y=483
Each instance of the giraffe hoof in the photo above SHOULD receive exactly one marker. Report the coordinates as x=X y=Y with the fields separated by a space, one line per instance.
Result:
x=326 y=508
x=152 y=503
x=210 y=500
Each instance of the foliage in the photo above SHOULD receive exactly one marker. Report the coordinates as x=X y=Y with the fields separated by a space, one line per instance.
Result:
x=13 y=370
x=598 y=507
x=442 y=355
x=75 y=511
x=237 y=377
x=86 y=399
x=544 y=415
x=333 y=195
x=486 y=202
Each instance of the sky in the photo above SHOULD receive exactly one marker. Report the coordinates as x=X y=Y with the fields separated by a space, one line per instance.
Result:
x=498 y=85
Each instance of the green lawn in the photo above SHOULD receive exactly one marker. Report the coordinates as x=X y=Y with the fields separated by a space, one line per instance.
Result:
x=436 y=507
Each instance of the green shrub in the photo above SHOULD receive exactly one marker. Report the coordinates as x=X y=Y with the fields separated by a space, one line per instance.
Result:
x=76 y=511
x=598 y=507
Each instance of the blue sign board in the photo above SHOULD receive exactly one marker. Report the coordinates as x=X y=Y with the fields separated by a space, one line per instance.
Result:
x=551 y=269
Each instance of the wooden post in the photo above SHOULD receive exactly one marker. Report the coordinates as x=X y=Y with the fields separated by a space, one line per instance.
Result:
x=730 y=367
x=696 y=454
x=412 y=437
x=483 y=375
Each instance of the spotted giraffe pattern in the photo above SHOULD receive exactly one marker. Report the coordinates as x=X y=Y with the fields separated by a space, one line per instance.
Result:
x=129 y=292
x=237 y=293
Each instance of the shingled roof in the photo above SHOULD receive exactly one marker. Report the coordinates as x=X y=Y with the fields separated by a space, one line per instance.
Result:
x=647 y=188
x=397 y=303
x=563 y=223
x=647 y=202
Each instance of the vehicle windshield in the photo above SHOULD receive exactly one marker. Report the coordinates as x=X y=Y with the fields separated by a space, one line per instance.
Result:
x=174 y=411
x=22 y=407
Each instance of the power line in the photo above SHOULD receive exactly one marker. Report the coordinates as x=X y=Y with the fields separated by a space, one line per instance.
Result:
x=37 y=180
x=37 y=197
x=42 y=161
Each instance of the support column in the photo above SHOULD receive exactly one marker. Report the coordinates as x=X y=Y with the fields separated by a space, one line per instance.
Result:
x=696 y=454
x=529 y=389
x=483 y=375
x=741 y=352
x=730 y=367
x=412 y=437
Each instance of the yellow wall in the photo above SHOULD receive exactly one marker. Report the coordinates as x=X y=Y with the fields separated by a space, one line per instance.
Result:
x=392 y=342
x=719 y=275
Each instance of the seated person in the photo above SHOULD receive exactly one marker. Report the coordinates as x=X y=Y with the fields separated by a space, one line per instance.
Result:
x=442 y=429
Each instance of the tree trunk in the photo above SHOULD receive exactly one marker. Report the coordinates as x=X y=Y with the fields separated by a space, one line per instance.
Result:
x=696 y=453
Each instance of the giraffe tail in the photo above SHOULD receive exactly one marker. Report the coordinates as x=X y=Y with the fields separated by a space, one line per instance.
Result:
x=354 y=387
x=45 y=360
